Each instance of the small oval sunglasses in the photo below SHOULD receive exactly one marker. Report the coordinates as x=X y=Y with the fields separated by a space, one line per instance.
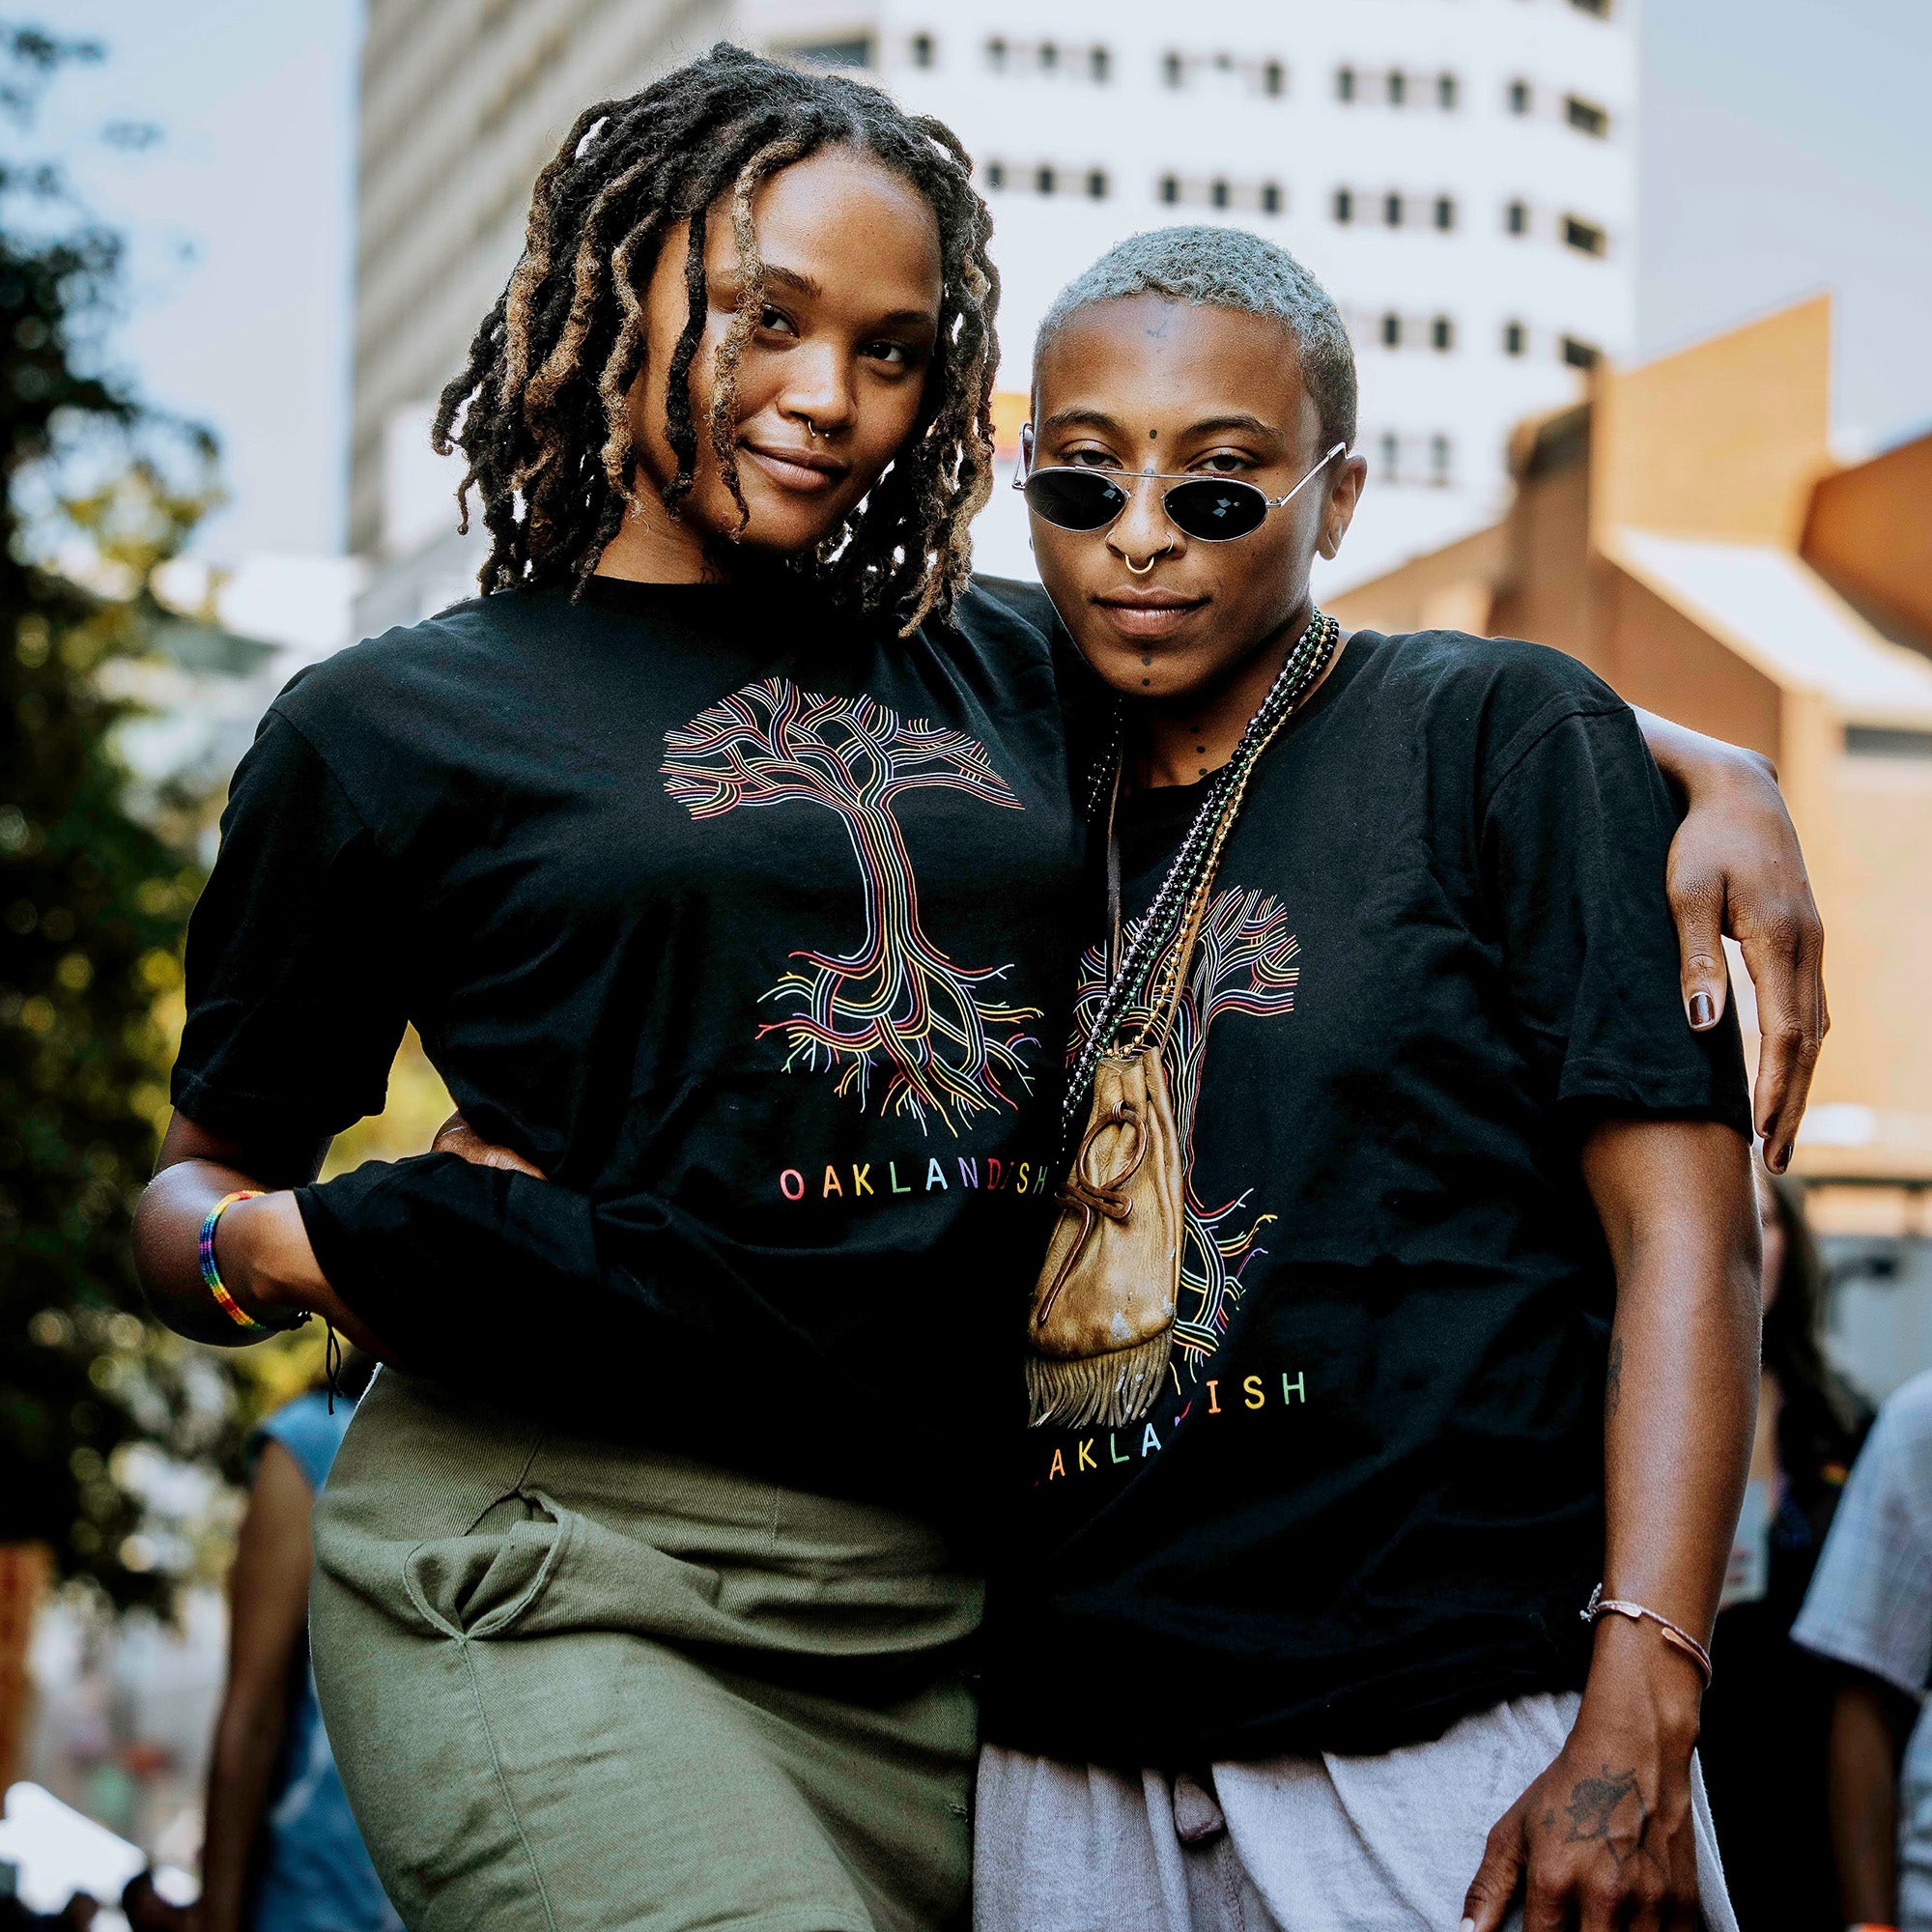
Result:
x=1216 y=509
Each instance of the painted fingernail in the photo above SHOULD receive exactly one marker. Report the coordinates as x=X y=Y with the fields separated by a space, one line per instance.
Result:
x=1703 y=1010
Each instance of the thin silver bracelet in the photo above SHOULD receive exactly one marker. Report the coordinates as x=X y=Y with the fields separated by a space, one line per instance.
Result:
x=1674 y=1635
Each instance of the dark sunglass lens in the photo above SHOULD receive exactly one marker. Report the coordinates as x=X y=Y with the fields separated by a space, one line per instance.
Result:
x=1073 y=499
x=1216 y=508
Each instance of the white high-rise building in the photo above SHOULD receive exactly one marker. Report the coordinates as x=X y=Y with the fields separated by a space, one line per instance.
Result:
x=1461 y=173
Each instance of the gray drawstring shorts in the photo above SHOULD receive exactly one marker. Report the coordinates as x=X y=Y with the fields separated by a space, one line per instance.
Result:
x=1297 y=1844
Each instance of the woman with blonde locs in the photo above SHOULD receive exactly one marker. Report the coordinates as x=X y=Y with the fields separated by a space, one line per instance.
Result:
x=724 y=855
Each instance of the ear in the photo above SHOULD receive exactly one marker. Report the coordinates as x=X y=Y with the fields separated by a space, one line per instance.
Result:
x=1338 y=511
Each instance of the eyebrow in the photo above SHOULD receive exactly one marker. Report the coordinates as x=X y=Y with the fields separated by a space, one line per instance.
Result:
x=1098 y=420
x=792 y=279
x=1080 y=419
x=1235 y=419
x=799 y=283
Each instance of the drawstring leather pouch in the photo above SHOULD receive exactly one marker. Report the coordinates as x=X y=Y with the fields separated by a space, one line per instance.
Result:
x=1100 y=1328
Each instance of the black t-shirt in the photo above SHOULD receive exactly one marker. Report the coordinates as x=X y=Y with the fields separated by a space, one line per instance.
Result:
x=1372 y=1498
x=757 y=939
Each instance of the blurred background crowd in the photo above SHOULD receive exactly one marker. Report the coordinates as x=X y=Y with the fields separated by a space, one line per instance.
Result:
x=1640 y=296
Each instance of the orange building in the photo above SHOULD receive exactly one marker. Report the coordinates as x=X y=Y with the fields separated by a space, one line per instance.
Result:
x=1688 y=534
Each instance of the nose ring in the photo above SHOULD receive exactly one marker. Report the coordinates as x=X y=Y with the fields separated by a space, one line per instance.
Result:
x=1142 y=569
x=811 y=429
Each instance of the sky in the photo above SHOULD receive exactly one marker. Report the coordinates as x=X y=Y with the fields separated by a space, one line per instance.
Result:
x=1785 y=149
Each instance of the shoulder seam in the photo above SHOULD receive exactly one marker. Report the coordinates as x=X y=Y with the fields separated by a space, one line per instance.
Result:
x=1569 y=709
x=322 y=758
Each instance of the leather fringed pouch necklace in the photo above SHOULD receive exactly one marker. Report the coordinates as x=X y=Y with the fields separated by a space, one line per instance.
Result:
x=1101 y=1323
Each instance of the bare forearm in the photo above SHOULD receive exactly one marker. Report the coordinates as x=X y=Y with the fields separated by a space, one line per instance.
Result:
x=1607 y=1829
x=1690 y=760
x=1868 y=1730
x=167 y=1235
x=1680 y=1404
x=262 y=1253
x=247 y=1743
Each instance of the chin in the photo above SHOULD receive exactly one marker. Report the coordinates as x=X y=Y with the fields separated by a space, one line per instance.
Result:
x=783 y=524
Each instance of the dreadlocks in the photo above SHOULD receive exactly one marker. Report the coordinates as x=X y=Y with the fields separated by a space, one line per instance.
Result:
x=545 y=427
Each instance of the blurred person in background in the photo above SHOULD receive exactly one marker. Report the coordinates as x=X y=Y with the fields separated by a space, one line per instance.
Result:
x=281 y=1853
x=1768 y=1711
x=145 y=1910
x=1869 y=1612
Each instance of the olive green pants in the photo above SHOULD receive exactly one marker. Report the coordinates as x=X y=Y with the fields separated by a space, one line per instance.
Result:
x=576 y=1688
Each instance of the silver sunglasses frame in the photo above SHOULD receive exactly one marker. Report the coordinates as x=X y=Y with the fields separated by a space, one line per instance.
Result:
x=1026 y=471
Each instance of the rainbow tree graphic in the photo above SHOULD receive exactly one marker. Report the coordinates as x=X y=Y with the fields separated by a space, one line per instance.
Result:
x=1244 y=964
x=896 y=1008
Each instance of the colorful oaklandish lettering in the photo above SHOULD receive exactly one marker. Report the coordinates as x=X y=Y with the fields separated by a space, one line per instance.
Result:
x=1092 y=1453
x=897 y=1006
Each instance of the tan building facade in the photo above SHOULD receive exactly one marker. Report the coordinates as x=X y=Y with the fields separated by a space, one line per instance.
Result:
x=1688 y=534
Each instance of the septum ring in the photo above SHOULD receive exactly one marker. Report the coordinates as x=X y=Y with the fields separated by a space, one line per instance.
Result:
x=811 y=429
x=1142 y=569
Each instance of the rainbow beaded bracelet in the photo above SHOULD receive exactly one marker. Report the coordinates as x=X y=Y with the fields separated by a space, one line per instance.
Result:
x=211 y=1274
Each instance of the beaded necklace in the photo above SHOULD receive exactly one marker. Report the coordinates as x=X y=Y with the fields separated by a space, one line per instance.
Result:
x=1170 y=915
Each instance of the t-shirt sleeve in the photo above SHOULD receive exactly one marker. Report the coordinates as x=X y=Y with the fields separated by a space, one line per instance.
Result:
x=1576 y=833
x=1870 y=1600
x=310 y=1431
x=295 y=1000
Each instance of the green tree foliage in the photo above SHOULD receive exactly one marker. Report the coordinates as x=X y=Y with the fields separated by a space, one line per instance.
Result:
x=92 y=898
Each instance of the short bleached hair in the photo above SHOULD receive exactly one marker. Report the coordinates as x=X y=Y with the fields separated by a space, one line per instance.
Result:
x=1227 y=267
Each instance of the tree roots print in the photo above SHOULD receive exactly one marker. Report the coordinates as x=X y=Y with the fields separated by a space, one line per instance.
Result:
x=896 y=1014
x=1244 y=964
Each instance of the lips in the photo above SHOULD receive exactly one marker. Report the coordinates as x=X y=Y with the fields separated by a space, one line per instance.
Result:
x=1143 y=613
x=806 y=473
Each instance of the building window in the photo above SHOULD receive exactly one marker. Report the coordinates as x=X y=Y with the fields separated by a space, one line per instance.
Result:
x=1586 y=236
x=1518 y=97
x=1442 y=334
x=1171 y=69
x=996 y=54
x=1345 y=83
x=1448 y=94
x=1391 y=331
x=996 y=173
x=1438 y=461
x=1100 y=64
x=1515 y=217
x=1217 y=194
x=1170 y=187
x=922 y=50
x=1045 y=180
x=1096 y=184
x=1398 y=87
x=1048 y=56
x=1515 y=338
x=1274 y=77
x=1600 y=8
x=1391 y=453
x=1344 y=205
x=1270 y=197
x=1445 y=212
x=1392 y=210
x=1585 y=116
x=1580 y=355
x=832 y=55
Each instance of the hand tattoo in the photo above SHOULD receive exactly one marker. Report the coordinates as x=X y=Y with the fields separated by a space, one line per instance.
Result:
x=1594 y=1802
x=1613 y=1377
